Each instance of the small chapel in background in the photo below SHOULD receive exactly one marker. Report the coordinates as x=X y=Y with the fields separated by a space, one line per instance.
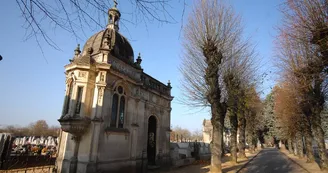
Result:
x=115 y=118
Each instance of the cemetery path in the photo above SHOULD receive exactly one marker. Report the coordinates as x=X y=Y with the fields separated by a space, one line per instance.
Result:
x=270 y=160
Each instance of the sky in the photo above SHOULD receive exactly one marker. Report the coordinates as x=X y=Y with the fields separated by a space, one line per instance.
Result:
x=32 y=85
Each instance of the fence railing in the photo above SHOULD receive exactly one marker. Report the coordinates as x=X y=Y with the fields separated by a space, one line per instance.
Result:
x=25 y=161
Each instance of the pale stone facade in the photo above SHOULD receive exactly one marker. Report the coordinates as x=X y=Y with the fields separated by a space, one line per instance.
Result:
x=115 y=118
x=208 y=132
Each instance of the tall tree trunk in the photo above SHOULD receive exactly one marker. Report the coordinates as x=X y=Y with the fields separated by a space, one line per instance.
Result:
x=290 y=147
x=233 y=137
x=213 y=59
x=295 y=145
x=249 y=140
x=299 y=142
x=223 y=145
x=242 y=142
x=254 y=142
x=308 y=141
x=319 y=138
x=250 y=131
x=316 y=122
x=217 y=142
x=285 y=144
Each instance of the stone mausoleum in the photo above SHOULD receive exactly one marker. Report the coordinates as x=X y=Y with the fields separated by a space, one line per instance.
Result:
x=115 y=118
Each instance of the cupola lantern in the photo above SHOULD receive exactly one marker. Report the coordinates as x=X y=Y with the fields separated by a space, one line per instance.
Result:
x=113 y=17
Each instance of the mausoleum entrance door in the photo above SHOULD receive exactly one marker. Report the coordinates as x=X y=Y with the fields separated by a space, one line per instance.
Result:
x=151 y=145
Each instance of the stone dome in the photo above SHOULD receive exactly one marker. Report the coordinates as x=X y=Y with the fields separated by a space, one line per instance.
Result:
x=112 y=41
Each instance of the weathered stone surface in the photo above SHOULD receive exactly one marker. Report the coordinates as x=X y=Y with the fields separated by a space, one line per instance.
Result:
x=185 y=153
x=128 y=111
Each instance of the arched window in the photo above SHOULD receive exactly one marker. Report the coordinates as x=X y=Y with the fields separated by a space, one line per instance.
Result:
x=69 y=96
x=110 y=19
x=118 y=108
x=79 y=99
x=114 y=111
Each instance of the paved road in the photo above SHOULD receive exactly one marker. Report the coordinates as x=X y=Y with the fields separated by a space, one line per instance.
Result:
x=270 y=160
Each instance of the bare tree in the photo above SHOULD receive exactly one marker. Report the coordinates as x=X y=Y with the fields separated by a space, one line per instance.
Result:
x=212 y=37
x=39 y=128
x=77 y=16
x=308 y=22
x=238 y=76
x=181 y=133
x=253 y=125
x=292 y=101
x=197 y=135
x=303 y=50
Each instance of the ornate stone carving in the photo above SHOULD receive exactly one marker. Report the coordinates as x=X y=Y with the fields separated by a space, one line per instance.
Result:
x=70 y=78
x=100 y=94
x=122 y=68
x=137 y=94
x=82 y=74
x=102 y=77
x=76 y=126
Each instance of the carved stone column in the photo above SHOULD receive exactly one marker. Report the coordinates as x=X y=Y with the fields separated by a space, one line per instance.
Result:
x=100 y=98
x=74 y=159
x=76 y=126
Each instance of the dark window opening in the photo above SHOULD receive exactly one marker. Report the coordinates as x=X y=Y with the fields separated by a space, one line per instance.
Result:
x=69 y=96
x=118 y=108
x=79 y=99
x=120 y=90
x=114 y=111
x=121 y=114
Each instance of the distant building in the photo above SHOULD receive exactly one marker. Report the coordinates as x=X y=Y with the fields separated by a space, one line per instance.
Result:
x=208 y=132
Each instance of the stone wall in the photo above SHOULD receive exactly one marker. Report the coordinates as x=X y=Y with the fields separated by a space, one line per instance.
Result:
x=185 y=153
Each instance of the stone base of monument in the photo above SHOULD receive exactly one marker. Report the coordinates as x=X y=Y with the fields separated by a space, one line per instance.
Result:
x=152 y=167
x=205 y=157
x=185 y=153
x=182 y=162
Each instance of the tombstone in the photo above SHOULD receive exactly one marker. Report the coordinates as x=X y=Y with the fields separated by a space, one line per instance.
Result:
x=180 y=153
x=37 y=141
x=42 y=140
x=25 y=140
x=204 y=151
x=184 y=150
x=16 y=142
x=20 y=141
x=48 y=140
x=52 y=142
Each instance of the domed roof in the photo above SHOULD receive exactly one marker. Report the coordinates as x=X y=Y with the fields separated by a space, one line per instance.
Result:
x=109 y=39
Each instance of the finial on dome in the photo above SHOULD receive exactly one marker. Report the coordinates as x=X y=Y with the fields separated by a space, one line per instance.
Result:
x=77 y=50
x=113 y=17
x=139 y=57
x=138 y=63
x=169 y=83
x=115 y=3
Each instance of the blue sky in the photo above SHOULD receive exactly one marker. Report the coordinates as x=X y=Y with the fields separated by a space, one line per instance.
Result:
x=32 y=88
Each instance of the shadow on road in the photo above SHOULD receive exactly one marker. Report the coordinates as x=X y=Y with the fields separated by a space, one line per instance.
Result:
x=270 y=160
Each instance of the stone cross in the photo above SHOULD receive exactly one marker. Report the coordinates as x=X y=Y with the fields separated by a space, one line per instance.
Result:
x=115 y=2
